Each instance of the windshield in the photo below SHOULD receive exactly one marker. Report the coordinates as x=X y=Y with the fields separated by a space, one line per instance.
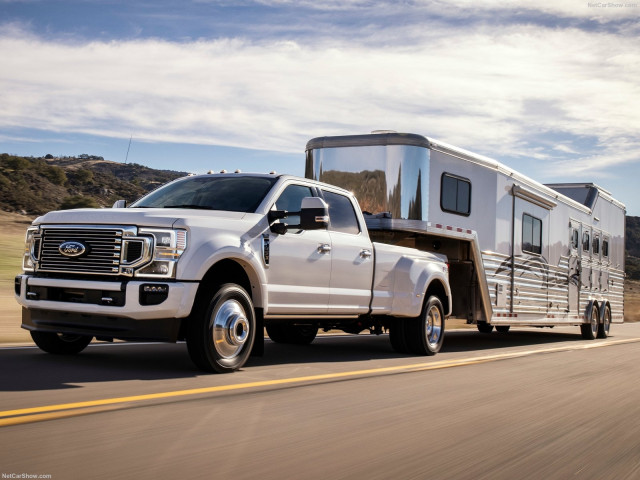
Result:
x=232 y=194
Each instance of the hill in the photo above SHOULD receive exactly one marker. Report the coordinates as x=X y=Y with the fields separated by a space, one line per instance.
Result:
x=33 y=186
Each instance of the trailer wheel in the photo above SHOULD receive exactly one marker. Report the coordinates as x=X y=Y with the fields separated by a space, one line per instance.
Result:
x=484 y=327
x=605 y=325
x=589 y=330
x=397 y=335
x=424 y=335
x=503 y=328
x=292 y=334
x=221 y=330
x=60 y=343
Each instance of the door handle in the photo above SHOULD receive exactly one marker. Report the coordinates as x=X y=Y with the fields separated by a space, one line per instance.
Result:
x=365 y=253
x=324 y=248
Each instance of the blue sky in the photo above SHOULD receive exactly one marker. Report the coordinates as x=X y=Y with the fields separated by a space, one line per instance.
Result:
x=549 y=88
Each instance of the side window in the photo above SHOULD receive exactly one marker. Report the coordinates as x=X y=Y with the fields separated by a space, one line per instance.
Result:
x=574 y=239
x=531 y=234
x=596 y=245
x=585 y=241
x=342 y=216
x=291 y=200
x=455 y=194
x=605 y=248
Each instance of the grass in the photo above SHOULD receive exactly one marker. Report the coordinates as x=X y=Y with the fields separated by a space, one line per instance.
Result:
x=12 y=234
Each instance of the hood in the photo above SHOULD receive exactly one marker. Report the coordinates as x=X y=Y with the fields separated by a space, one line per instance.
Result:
x=143 y=217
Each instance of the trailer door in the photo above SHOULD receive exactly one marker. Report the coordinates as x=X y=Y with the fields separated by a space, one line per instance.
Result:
x=586 y=278
x=574 y=267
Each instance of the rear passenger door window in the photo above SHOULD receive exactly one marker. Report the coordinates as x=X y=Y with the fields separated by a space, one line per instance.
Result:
x=342 y=216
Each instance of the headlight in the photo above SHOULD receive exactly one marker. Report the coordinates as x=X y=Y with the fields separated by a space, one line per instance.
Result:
x=31 y=249
x=168 y=246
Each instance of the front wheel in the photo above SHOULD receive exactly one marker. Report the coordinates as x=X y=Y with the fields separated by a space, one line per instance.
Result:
x=60 y=343
x=424 y=335
x=222 y=330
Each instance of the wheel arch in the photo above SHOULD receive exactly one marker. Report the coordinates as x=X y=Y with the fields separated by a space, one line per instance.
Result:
x=439 y=289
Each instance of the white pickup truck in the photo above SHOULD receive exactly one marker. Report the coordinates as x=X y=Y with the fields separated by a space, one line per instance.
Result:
x=213 y=259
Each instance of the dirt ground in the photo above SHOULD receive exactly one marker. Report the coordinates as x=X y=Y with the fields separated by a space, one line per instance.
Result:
x=11 y=244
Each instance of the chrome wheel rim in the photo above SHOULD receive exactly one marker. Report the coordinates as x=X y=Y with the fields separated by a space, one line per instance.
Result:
x=433 y=325
x=230 y=329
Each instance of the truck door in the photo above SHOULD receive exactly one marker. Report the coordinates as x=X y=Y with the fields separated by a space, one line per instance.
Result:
x=299 y=262
x=574 y=267
x=352 y=258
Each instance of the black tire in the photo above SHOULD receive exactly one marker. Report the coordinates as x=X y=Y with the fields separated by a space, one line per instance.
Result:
x=60 y=343
x=424 y=335
x=605 y=324
x=397 y=335
x=503 y=328
x=222 y=329
x=589 y=330
x=484 y=327
x=292 y=334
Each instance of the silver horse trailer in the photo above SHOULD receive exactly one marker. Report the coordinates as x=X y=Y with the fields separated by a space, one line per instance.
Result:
x=521 y=253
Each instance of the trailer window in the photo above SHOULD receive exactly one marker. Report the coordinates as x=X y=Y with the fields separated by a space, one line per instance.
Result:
x=596 y=245
x=455 y=194
x=531 y=234
x=585 y=241
x=605 y=248
x=574 y=239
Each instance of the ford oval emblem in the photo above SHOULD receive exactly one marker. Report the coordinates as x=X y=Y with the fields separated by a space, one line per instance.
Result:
x=72 y=249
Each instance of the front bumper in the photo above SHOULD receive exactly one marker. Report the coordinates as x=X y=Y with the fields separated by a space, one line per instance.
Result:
x=131 y=310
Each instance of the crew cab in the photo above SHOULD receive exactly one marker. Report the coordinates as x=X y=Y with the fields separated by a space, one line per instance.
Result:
x=212 y=259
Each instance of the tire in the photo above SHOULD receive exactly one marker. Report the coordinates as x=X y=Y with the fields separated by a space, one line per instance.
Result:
x=292 y=334
x=503 y=328
x=60 y=343
x=484 y=327
x=222 y=330
x=424 y=335
x=397 y=335
x=590 y=330
x=605 y=325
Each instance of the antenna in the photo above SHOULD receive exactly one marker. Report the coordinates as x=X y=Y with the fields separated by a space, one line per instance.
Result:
x=127 y=157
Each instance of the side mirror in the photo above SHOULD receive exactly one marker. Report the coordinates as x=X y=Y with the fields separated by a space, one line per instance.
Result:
x=314 y=214
x=120 y=204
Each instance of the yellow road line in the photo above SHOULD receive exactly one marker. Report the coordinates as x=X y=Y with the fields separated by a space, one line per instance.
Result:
x=49 y=412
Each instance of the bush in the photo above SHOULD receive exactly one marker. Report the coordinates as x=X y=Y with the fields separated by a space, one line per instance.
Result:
x=78 y=201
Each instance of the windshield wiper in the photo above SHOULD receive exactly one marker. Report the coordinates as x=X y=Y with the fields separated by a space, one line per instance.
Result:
x=196 y=207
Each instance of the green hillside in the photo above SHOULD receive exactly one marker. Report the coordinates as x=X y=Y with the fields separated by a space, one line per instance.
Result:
x=33 y=186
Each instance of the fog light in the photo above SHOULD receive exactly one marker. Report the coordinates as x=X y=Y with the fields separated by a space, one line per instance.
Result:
x=153 y=293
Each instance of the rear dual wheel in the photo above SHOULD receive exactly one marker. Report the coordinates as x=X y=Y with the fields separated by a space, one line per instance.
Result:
x=422 y=335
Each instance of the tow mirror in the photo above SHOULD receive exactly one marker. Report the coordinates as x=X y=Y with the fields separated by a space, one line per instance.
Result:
x=120 y=204
x=314 y=214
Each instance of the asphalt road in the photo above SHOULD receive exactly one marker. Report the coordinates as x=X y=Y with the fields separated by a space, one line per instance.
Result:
x=538 y=404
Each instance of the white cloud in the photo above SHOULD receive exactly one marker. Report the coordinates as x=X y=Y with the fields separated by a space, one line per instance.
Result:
x=487 y=90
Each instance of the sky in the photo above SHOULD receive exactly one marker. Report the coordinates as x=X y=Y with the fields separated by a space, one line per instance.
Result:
x=550 y=88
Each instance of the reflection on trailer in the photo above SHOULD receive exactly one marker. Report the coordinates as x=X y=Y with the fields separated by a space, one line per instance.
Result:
x=520 y=253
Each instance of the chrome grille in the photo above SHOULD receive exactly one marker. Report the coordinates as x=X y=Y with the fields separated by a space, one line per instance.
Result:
x=103 y=250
